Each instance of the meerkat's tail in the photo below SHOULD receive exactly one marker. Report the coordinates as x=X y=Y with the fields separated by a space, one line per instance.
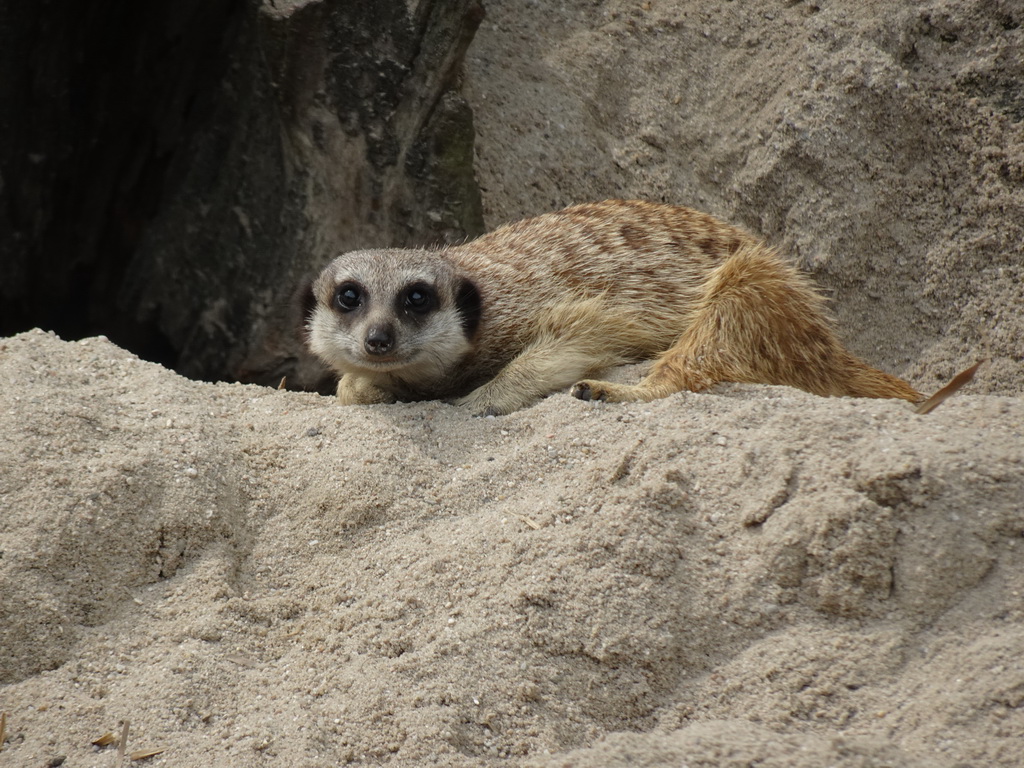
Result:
x=758 y=320
x=858 y=379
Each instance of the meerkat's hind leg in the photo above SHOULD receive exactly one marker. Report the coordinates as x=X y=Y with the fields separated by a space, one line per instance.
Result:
x=761 y=321
x=677 y=370
x=699 y=357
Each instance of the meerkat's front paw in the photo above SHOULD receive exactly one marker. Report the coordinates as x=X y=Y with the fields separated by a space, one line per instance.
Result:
x=355 y=390
x=482 y=410
x=481 y=406
x=493 y=399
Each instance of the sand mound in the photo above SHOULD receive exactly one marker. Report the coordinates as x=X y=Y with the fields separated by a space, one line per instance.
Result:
x=258 y=577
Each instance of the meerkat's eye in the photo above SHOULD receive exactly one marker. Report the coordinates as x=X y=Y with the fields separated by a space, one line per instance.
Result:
x=419 y=299
x=348 y=297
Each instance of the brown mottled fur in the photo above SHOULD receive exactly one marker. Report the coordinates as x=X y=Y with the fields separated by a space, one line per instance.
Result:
x=566 y=295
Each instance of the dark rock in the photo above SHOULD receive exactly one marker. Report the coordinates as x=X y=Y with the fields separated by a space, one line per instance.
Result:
x=170 y=175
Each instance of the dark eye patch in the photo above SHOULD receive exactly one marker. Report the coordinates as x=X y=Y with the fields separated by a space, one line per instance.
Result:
x=418 y=298
x=348 y=297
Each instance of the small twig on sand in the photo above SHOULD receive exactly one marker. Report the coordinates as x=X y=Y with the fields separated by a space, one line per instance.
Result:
x=142 y=754
x=123 y=743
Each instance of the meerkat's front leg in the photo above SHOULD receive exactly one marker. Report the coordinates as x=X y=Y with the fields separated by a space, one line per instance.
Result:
x=540 y=369
x=358 y=390
x=570 y=340
x=544 y=367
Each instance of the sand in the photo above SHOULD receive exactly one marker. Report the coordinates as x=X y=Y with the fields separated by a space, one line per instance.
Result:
x=253 y=577
x=747 y=576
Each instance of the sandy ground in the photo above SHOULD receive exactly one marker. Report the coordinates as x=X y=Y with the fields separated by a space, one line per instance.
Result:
x=749 y=576
x=258 y=577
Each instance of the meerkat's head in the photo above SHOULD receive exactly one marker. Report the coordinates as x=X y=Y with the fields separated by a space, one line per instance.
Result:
x=404 y=312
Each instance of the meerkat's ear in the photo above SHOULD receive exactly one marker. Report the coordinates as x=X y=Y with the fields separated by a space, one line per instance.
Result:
x=304 y=300
x=467 y=301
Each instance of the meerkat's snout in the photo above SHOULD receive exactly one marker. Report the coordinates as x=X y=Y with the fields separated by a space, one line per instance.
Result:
x=379 y=340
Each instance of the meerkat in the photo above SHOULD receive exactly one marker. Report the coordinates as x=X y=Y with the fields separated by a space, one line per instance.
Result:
x=547 y=303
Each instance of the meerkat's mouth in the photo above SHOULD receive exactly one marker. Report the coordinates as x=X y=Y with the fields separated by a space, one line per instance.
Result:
x=383 y=363
x=378 y=364
x=419 y=363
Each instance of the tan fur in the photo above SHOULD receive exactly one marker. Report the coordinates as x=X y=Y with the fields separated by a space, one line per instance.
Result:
x=570 y=294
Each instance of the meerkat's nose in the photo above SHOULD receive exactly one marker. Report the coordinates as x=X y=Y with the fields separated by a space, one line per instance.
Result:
x=379 y=340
